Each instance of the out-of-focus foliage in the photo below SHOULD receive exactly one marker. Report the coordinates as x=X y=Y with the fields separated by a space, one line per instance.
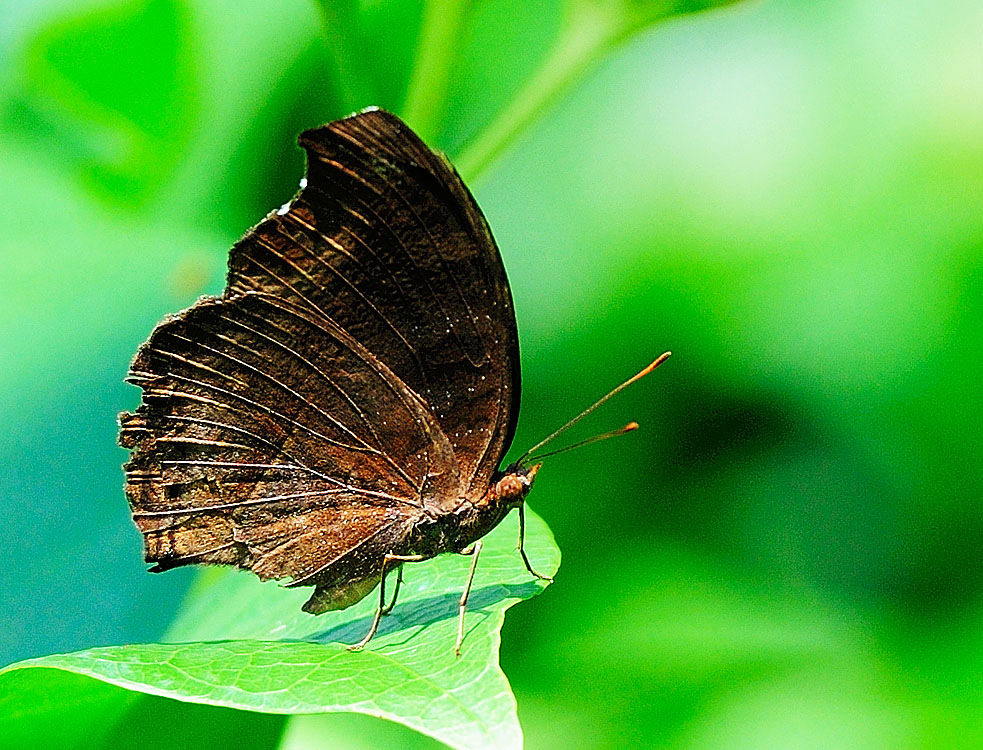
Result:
x=785 y=193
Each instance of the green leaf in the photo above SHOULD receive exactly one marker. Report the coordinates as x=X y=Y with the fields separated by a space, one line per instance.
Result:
x=52 y=709
x=242 y=644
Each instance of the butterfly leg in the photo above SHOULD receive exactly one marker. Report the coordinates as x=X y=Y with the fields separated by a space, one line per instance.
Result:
x=522 y=549
x=381 y=609
x=474 y=550
x=399 y=581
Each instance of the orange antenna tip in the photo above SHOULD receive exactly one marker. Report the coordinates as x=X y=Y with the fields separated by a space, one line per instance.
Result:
x=659 y=360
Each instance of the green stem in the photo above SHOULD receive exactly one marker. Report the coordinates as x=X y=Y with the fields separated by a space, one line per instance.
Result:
x=341 y=28
x=587 y=33
x=426 y=92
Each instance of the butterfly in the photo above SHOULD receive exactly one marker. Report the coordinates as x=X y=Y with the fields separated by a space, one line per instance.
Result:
x=345 y=405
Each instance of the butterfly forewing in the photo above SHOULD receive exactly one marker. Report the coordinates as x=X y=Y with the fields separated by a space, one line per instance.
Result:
x=386 y=240
x=360 y=370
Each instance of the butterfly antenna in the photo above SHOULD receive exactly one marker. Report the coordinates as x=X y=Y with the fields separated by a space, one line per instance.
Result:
x=630 y=427
x=627 y=428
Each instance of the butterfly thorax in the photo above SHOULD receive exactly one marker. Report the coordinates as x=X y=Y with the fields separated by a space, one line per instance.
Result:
x=472 y=519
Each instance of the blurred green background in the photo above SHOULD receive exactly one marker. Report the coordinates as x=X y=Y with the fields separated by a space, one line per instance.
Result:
x=787 y=194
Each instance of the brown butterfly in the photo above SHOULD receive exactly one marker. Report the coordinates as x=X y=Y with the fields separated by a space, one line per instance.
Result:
x=344 y=406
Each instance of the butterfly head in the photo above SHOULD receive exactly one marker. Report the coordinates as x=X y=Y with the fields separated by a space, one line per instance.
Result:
x=515 y=484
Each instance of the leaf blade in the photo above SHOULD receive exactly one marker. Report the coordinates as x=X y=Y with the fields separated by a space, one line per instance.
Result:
x=246 y=646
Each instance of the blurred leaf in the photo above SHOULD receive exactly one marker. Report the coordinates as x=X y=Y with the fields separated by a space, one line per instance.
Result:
x=352 y=732
x=273 y=658
x=502 y=43
x=688 y=635
x=112 y=91
x=50 y=709
x=631 y=15
x=588 y=30
x=810 y=709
